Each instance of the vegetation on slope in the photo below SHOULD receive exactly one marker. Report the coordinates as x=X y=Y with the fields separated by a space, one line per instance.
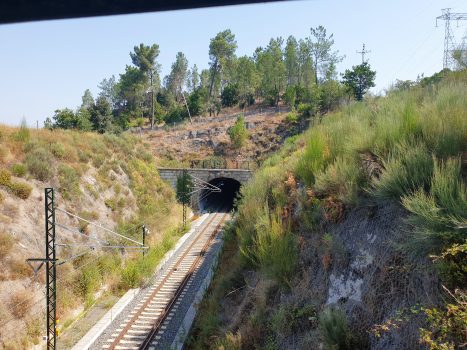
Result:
x=409 y=147
x=108 y=179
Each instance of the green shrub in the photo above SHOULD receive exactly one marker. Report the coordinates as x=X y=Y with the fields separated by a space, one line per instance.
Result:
x=18 y=169
x=111 y=203
x=39 y=164
x=2 y=198
x=147 y=157
x=117 y=188
x=98 y=160
x=83 y=157
x=121 y=202
x=69 y=182
x=57 y=149
x=139 y=122
x=291 y=118
x=21 y=190
x=335 y=330
x=239 y=133
x=131 y=275
x=5 y=178
x=29 y=146
x=290 y=317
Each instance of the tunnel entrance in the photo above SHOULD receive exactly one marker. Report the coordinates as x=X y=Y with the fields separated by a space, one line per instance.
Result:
x=211 y=201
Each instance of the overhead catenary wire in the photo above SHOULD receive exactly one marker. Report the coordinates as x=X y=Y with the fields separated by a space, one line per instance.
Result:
x=41 y=290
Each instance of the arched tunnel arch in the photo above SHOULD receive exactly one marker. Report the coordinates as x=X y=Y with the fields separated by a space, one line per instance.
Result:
x=212 y=200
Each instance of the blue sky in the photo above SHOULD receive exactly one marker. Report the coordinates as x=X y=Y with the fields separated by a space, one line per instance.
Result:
x=48 y=65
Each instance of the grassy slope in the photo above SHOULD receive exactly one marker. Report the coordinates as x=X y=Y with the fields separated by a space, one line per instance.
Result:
x=104 y=178
x=409 y=147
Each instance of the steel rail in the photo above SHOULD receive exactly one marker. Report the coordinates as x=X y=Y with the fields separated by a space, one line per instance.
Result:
x=157 y=326
x=163 y=282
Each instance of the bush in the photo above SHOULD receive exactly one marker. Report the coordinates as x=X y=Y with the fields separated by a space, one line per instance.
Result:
x=21 y=190
x=18 y=169
x=111 y=203
x=39 y=165
x=117 y=188
x=57 y=150
x=5 y=178
x=140 y=122
x=98 y=160
x=83 y=157
x=239 y=133
x=291 y=118
x=69 y=185
x=6 y=243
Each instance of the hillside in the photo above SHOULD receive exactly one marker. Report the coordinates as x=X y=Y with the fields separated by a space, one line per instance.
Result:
x=106 y=179
x=353 y=235
x=209 y=138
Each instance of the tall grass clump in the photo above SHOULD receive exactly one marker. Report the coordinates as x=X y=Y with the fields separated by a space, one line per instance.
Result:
x=440 y=216
x=315 y=157
x=408 y=168
x=23 y=134
x=272 y=248
x=336 y=331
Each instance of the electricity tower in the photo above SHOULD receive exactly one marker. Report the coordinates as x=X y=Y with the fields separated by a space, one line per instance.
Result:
x=363 y=52
x=449 y=40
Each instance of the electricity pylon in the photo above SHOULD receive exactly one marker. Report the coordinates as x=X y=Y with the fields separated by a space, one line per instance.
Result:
x=449 y=40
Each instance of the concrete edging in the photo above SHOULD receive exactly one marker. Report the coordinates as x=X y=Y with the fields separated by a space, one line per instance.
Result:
x=107 y=319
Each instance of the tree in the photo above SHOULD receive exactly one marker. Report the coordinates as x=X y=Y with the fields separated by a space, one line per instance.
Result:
x=144 y=58
x=359 y=79
x=247 y=78
x=193 y=79
x=67 y=119
x=229 y=95
x=204 y=78
x=132 y=84
x=101 y=115
x=239 y=133
x=87 y=99
x=221 y=49
x=321 y=49
x=291 y=60
x=179 y=73
x=109 y=89
x=195 y=102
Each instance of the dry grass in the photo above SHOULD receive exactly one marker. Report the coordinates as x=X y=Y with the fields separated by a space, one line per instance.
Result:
x=23 y=299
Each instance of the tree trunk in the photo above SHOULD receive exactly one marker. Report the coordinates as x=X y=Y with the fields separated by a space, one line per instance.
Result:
x=213 y=77
x=152 y=105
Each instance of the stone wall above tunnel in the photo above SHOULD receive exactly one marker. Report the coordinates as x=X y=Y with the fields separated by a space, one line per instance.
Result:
x=172 y=174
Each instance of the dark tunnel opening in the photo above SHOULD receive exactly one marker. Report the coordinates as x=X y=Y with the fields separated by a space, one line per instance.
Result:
x=223 y=200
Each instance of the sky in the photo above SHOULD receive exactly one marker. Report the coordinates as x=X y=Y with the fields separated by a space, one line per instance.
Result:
x=48 y=65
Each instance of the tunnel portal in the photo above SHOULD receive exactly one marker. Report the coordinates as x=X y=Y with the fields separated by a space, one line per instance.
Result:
x=212 y=200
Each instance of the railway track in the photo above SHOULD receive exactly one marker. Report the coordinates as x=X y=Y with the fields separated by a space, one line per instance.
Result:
x=147 y=322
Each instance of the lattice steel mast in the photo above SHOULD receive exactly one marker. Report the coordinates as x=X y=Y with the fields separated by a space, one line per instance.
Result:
x=363 y=52
x=449 y=40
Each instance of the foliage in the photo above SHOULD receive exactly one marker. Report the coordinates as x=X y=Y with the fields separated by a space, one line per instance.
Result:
x=229 y=95
x=18 y=169
x=452 y=264
x=21 y=189
x=335 y=330
x=291 y=118
x=69 y=182
x=5 y=177
x=359 y=79
x=39 y=164
x=239 y=133
x=23 y=134
x=446 y=325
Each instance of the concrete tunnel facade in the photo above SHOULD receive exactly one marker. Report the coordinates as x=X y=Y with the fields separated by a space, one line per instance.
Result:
x=229 y=180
